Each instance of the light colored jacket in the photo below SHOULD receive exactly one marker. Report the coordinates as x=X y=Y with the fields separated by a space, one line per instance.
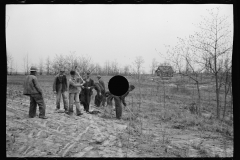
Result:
x=72 y=88
x=31 y=86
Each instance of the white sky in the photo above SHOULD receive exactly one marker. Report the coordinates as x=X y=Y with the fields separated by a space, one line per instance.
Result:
x=104 y=32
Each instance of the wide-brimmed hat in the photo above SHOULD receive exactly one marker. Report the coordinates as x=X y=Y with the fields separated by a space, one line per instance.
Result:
x=98 y=76
x=33 y=68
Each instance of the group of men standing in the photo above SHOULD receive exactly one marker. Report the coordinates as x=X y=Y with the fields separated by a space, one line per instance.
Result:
x=76 y=90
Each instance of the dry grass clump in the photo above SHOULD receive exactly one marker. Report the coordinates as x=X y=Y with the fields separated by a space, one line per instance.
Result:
x=180 y=90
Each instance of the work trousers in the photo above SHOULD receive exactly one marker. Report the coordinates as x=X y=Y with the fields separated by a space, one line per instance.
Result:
x=118 y=106
x=74 y=97
x=86 y=102
x=65 y=100
x=37 y=99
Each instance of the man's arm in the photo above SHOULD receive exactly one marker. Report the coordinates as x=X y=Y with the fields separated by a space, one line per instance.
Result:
x=35 y=83
x=74 y=84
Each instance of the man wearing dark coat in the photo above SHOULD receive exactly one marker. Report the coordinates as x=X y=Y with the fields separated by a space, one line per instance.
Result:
x=60 y=88
x=100 y=99
x=86 y=92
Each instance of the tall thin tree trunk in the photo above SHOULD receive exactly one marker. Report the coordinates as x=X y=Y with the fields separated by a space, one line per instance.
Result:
x=199 y=100
x=217 y=94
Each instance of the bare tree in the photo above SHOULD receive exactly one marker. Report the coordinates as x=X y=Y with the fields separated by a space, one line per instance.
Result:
x=98 y=69
x=48 y=65
x=41 y=66
x=153 y=65
x=182 y=53
x=227 y=83
x=59 y=61
x=212 y=42
x=126 y=70
x=26 y=64
x=138 y=64
x=16 y=70
x=9 y=63
x=107 y=67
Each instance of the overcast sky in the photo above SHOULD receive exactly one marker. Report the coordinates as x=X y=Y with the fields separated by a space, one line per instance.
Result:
x=104 y=32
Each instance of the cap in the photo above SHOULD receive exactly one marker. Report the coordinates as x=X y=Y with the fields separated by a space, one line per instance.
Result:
x=33 y=68
x=98 y=76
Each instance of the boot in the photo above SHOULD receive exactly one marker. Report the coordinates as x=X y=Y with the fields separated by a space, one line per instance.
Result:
x=43 y=117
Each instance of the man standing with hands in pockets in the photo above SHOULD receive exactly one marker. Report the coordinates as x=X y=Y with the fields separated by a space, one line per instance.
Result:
x=60 y=88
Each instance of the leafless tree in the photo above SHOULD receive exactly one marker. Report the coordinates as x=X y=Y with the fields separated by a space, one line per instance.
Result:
x=227 y=83
x=84 y=63
x=9 y=63
x=40 y=66
x=126 y=70
x=59 y=61
x=48 y=65
x=182 y=53
x=107 y=67
x=138 y=64
x=212 y=43
x=98 y=69
x=26 y=64
x=154 y=65
x=16 y=69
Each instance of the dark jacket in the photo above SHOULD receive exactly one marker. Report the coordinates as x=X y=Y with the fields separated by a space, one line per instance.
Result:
x=60 y=83
x=90 y=84
x=31 y=86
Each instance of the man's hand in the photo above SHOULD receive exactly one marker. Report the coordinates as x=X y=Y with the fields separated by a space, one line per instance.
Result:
x=100 y=94
x=89 y=87
x=54 y=92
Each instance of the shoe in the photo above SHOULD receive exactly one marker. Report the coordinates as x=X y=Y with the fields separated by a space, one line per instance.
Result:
x=43 y=117
x=66 y=111
x=31 y=116
x=79 y=114
x=70 y=113
x=87 y=112
x=56 y=110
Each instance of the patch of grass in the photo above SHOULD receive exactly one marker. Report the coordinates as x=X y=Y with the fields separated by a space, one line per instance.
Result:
x=180 y=90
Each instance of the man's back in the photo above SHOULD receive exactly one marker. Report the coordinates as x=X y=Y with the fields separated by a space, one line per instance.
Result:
x=30 y=85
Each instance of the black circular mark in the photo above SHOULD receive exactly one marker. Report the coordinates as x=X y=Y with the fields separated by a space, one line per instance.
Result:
x=51 y=1
x=109 y=1
x=138 y=1
x=22 y=1
x=79 y=1
x=118 y=85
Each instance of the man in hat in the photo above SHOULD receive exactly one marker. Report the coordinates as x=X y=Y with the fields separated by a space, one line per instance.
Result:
x=32 y=89
x=74 y=89
x=86 y=92
x=60 y=88
x=100 y=99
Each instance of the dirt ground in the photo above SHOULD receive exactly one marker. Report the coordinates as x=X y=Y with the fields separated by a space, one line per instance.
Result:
x=149 y=127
